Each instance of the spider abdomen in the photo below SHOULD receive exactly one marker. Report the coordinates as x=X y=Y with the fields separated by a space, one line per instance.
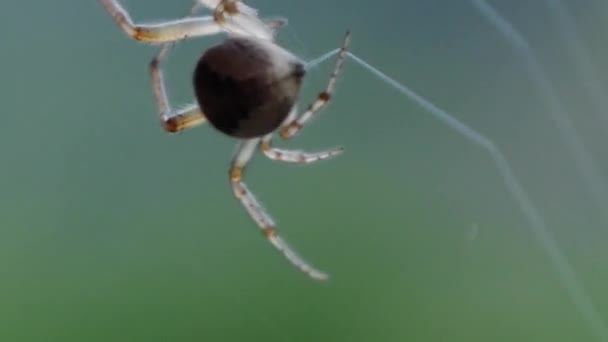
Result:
x=247 y=87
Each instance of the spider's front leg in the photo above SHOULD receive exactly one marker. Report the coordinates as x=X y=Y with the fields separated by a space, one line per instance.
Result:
x=258 y=214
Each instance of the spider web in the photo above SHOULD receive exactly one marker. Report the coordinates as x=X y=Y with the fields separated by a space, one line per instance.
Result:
x=588 y=168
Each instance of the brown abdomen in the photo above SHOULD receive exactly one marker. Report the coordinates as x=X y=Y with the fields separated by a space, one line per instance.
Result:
x=243 y=89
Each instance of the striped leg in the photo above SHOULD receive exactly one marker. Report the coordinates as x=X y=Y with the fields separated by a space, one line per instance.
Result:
x=223 y=8
x=172 y=121
x=167 y=31
x=242 y=18
x=258 y=214
x=188 y=117
x=291 y=156
x=231 y=16
x=295 y=126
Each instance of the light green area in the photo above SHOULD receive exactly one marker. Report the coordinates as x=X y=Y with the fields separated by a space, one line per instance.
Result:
x=111 y=230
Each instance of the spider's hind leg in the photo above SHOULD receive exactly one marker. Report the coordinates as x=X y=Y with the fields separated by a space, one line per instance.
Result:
x=258 y=214
x=323 y=98
x=295 y=156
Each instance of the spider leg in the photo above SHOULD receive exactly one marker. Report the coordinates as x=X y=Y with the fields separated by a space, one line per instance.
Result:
x=172 y=121
x=224 y=7
x=179 y=120
x=258 y=214
x=236 y=22
x=243 y=16
x=294 y=156
x=296 y=125
x=167 y=31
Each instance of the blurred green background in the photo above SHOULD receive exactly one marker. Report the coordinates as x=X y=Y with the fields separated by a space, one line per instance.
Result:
x=112 y=230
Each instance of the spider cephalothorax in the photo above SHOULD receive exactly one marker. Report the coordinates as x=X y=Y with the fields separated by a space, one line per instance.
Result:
x=246 y=86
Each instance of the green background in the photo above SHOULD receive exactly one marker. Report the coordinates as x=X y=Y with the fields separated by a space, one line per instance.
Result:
x=112 y=230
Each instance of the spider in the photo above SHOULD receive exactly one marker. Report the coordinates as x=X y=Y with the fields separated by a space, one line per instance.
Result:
x=246 y=87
